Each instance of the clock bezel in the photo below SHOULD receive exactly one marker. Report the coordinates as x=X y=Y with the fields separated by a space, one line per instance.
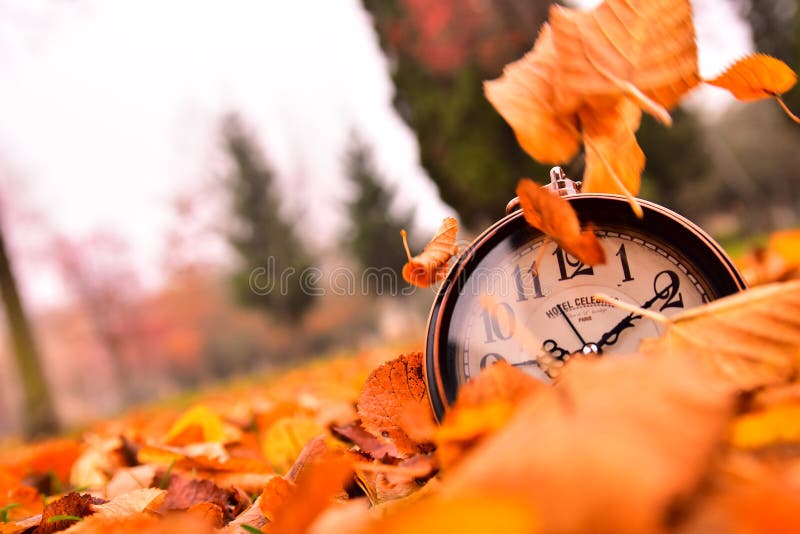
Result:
x=604 y=211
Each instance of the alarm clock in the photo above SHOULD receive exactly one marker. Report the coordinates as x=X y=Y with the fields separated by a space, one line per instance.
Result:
x=513 y=284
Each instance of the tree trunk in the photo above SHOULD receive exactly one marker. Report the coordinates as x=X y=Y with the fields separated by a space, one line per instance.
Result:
x=40 y=418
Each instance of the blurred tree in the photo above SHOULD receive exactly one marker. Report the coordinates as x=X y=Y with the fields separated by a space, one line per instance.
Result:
x=441 y=51
x=272 y=273
x=373 y=229
x=40 y=417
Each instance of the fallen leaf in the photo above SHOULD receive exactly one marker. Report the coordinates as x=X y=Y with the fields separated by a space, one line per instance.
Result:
x=430 y=265
x=274 y=496
x=367 y=443
x=285 y=439
x=143 y=522
x=524 y=96
x=555 y=217
x=197 y=425
x=132 y=503
x=389 y=390
x=183 y=493
x=612 y=447
x=640 y=49
x=315 y=489
x=208 y=513
x=20 y=503
x=54 y=456
x=130 y=479
x=70 y=505
x=755 y=77
x=750 y=339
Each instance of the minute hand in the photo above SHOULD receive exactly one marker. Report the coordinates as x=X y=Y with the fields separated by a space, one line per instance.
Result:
x=612 y=336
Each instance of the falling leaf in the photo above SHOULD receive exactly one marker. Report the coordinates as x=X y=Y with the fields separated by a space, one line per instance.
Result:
x=431 y=265
x=389 y=390
x=614 y=160
x=751 y=338
x=755 y=77
x=612 y=447
x=524 y=96
x=640 y=49
x=555 y=217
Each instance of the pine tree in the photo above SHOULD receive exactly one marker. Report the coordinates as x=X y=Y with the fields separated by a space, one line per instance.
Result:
x=374 y=234
x=273 y=262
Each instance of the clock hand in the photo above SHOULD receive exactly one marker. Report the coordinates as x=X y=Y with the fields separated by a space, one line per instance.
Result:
x=612 y=336
x=572 y=326
x=553 y=350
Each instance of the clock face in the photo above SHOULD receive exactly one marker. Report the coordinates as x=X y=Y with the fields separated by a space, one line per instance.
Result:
x=534 y=318
x=515 y=295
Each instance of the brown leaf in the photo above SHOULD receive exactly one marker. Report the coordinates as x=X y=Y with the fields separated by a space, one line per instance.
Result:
x=610 y=448
x=389 y=391
x=755 y=77
x=430 y=266
x=555 y=217
x=642 y=49
x=183 y=493
x=750 y=339
x=72 y=504
x=366 y=442
x=524 y=96
x=131 y=503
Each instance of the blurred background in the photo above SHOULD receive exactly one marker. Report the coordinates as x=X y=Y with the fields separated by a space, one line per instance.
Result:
x=154 y=157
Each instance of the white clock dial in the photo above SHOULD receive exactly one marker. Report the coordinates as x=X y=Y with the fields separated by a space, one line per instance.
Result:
x=530 y=317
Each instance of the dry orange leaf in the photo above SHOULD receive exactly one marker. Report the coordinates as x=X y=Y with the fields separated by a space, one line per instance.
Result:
x=642 y=49
x=751 y=338
x=614 y=160
x=430 y=266
x=316 y=487
x=755 y=77
x=555 y=217
x=389 y=391
x=524 y=96
x=612 y=447
x=274 y=496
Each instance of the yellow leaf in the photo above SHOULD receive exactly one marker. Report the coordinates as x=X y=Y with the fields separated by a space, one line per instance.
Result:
x=755 y=77
x=197 y=425
x=285 y=439
x=777 y=424
x=524 y=96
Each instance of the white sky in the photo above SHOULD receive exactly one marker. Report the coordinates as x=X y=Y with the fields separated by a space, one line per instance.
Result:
x=109 y=108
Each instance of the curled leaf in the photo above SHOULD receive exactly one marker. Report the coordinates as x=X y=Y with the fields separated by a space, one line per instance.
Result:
x=555 y=217
x=430 y=266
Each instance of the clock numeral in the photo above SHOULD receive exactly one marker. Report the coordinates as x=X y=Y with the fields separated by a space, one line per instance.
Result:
x=564 y=260
x=500 y=323
x=669 y=291
x=623 y=259
x=521 y=293
x=491 y=359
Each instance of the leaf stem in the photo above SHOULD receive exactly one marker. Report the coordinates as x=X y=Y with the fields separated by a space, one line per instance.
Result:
x=404 y=235
x=632 y=308
x=786 y=109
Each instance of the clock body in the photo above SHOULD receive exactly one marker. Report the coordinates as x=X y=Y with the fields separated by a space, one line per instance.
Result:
x=494 y=305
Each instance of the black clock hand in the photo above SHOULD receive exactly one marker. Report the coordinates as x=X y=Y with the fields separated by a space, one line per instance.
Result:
x=554 y=350
x=572 y=326
x=612 y=336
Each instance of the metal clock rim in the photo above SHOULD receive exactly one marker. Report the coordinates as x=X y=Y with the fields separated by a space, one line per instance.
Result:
x=439 y=391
